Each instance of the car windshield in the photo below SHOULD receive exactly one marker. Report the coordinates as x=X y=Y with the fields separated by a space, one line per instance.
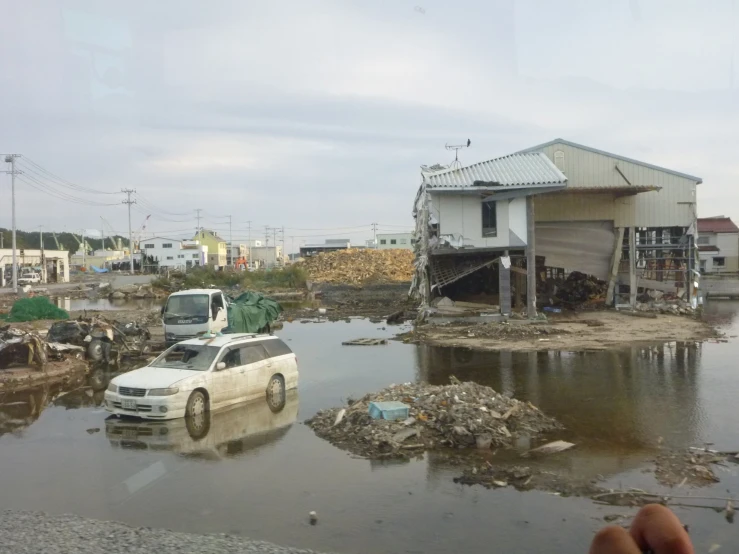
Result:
x=196 y=357
x=187 y=305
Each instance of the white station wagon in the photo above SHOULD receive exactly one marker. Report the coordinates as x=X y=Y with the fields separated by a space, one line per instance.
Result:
x=198 y=375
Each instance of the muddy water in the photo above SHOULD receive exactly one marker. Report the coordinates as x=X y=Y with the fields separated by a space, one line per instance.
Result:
x=250 y=471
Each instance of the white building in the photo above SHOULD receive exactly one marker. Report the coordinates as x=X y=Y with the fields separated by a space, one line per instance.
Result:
x=718 y=244
x=173 y=253
x=55 y=268
x=389 y=241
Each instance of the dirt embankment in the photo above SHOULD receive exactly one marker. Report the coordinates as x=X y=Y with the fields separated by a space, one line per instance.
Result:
x=601 y=330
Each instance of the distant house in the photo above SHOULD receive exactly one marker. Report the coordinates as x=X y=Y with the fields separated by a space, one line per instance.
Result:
x=217 y=248
x=330 y=245
x=388 y=241
x=718 y=244
x=158 y=252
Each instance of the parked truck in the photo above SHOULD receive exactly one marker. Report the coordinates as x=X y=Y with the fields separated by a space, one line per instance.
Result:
x=190 y=313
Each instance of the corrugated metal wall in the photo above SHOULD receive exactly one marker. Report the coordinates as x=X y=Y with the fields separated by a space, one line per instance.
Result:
x=650 y=209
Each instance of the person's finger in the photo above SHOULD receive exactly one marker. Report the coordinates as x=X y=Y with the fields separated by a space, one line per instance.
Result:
x=613 y=540
x=656 y=528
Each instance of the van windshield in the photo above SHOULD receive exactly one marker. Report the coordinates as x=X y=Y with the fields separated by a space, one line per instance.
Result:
x=198 y=357
x=189 y=305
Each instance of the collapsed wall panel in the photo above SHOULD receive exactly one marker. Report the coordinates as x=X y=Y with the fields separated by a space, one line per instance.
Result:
x=585 y=246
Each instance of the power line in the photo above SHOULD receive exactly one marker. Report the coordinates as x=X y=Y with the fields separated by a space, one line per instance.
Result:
x=46 y=189
x=61 y=181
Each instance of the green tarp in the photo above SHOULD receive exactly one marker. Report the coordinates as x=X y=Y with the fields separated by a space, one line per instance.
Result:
x=35 y=308
x=250 y=312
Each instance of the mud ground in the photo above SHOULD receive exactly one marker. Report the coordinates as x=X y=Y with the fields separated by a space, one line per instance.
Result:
x=572 y=332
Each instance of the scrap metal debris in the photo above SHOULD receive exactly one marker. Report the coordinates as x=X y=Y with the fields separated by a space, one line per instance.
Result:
x=459 y=415
x=364 y=342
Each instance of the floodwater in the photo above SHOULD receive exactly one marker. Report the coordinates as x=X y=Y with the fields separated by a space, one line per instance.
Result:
x=249 y=471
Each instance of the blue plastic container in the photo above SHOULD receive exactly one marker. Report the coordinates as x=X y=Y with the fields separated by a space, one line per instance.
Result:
x=388 y=410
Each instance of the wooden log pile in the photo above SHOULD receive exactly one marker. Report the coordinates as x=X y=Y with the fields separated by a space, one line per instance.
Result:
x=355 y=266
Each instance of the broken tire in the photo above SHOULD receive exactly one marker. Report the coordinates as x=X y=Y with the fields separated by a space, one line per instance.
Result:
x=95 y=351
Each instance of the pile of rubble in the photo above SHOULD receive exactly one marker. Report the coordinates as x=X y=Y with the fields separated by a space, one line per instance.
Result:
x=133 y=291
x=654 y=301
x=355 y=266
x=576 y=290
x=459 y=415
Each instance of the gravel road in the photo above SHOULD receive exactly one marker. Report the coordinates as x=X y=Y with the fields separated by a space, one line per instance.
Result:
x=37 y=532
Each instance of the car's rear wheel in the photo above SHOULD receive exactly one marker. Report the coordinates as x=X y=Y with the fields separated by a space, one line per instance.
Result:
x=276 y=393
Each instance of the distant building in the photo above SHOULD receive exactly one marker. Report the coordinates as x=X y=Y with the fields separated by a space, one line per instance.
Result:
x=718 y=245
x=217 y=248
x=159 y=252
x=235 y=252
x=266 y=256
x=330 y=245
x=395 y=240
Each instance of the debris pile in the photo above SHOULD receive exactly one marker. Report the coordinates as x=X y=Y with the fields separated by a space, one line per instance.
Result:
x=576 y=290
x=35 y=308
x=354 y=266
x=692 y=467
x=673 y=306
x=133 y=291
x=459 y=415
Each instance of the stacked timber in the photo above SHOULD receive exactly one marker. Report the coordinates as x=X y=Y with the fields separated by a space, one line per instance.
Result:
x=355 y=266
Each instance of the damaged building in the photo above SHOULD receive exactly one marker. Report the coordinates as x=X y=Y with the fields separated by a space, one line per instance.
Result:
x=566 y=208
x=475 y=228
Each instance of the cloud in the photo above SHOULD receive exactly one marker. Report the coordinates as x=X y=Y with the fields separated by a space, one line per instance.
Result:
x=318 y=114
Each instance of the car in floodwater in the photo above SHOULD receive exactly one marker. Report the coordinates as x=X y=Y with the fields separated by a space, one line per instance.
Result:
x=206 y=374
x=215 y=435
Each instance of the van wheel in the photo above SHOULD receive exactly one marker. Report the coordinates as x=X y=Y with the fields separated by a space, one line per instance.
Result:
x=276 y=393
x=196 y=405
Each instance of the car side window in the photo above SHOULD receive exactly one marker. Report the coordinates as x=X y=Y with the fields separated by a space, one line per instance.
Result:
x=275 y=347
x=252 y=353
x=232 y=358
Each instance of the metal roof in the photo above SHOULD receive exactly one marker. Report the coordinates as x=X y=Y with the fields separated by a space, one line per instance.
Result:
x=522 y=169
x=540 y=147
x=716 y=225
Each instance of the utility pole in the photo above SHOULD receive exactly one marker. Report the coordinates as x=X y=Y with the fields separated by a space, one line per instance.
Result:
x=197 y=229
x=248 y=227
x=283 y=244
x=10 y=158
x=274 y=242
x=128 y=201
x=102 y=234
x=43 y=258
x=374 y=234
x=230 y=242
x=266 y=236
x=84 y=250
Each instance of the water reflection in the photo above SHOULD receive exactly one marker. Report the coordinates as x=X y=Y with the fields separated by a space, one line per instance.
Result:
x=625 y=399
x=107 y=304
x=235 y=431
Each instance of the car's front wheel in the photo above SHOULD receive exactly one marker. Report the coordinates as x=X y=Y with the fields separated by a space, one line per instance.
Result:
x=196 y=405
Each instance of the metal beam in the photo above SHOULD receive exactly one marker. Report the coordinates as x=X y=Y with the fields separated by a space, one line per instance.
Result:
x=615 y=261
x=530 y=259
x=632 y=267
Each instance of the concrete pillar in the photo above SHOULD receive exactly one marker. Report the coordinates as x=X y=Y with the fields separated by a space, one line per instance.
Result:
x=632 y=267
x=504 y=286
x=530 y=259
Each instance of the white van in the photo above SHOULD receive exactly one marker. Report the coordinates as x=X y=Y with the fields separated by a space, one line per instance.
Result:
x=192 y=312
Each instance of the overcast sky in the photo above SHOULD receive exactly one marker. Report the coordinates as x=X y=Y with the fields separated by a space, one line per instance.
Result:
x=315 y=115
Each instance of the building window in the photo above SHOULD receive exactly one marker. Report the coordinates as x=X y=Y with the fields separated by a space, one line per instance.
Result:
x=393 y=241
x=383 y=241
x=489 y=220
x=167 y=245
x=559 y=159
x=196 y=256
x=719 y=262
x=180 y=255
x=703 y=239
x=403 y=241
x=170 y=257
x=148 y=246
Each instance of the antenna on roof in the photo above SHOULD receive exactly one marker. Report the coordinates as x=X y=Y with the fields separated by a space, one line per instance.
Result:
x=456 y=163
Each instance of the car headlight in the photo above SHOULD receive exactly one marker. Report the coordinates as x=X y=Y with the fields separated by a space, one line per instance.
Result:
x=113 y=388
x=164 y=392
